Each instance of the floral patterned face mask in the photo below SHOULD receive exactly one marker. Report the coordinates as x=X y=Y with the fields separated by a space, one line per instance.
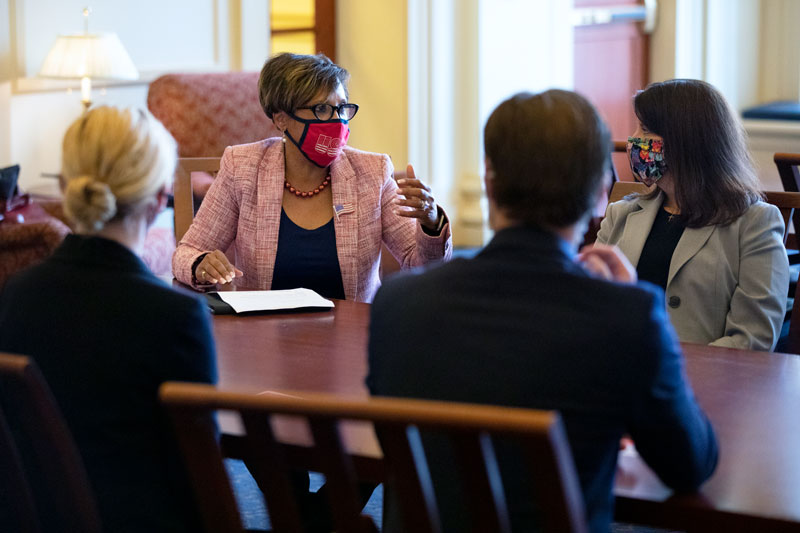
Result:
x=647 y=159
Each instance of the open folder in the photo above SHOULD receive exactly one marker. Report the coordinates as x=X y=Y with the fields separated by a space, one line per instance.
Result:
x=230 y=302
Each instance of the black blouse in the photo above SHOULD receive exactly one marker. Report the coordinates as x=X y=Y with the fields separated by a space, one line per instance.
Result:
x=658 y=249
x=307 y=258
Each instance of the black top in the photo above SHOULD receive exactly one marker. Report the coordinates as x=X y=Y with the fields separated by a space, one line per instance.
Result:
x=658 y=249
x=307 y=258
x=523 y=325
x=106 y=333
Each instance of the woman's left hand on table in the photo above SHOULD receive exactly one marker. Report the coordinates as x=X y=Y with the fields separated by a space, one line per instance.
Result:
x=414 y=195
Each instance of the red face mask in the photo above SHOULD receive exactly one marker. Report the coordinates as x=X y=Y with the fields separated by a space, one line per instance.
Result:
x=322 y=140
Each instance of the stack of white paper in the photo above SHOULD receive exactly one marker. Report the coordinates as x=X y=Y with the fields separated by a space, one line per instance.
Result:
x=244 y=301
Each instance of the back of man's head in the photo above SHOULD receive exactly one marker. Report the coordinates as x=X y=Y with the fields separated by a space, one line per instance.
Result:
x=549 y=153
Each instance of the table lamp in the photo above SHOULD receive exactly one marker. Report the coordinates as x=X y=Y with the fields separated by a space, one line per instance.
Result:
x=87 y=56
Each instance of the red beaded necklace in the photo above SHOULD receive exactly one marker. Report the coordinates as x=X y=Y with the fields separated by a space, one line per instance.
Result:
x=308 y=194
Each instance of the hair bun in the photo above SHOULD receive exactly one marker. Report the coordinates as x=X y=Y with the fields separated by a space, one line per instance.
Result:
x=89 y=202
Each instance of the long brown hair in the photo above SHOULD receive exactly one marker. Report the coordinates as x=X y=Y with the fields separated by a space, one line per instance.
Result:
x=704 y=149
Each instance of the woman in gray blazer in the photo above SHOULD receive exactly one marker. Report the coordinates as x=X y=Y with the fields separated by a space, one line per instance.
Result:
x=703 y=234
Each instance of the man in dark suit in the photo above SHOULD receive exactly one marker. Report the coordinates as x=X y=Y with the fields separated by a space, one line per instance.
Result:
x=529 y=323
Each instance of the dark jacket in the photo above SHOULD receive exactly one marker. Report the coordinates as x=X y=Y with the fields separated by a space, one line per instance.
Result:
x=523 y=325
x=106 y=333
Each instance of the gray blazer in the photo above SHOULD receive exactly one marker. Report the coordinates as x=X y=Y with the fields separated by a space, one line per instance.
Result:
x=727 y=285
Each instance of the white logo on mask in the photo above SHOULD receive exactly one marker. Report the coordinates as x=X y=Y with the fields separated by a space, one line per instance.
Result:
x=328 y=145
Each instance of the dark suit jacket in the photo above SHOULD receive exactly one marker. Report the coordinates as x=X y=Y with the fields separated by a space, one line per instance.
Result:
x=523 y=325
x=106 y=333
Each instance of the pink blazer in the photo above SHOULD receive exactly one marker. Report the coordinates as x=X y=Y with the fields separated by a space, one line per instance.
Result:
x=243 y=208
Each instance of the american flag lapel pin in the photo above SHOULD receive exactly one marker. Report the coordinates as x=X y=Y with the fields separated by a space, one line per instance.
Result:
x=342 y=209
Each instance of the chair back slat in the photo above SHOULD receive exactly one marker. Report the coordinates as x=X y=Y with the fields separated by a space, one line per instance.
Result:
x=267 y=463
x=26 y=396
x=618 y=147
x=787 y=203
x=480 y=477
x=787 y=164
x=182 y=189
x=196 y=436
x=402 y=446
x=793 y=340
x=340 y=476
x=471 y=425
x=555 y=484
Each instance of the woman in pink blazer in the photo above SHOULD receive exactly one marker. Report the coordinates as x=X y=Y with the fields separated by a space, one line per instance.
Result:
x=310 y=212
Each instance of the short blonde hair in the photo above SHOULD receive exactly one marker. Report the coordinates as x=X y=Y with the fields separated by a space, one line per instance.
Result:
x=288 y=81
x=113 y=161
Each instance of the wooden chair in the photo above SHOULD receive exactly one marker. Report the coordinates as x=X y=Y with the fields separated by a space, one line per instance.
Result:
x=64 y=495
x=789 y=204
x=621 y=189
x=182 y=190
x=396 y=422
x=790 y=178
x=787 y=169
x=617 y=148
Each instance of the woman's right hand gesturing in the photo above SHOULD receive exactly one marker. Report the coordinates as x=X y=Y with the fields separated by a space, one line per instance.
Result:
x=607 y=262
x=215 y=268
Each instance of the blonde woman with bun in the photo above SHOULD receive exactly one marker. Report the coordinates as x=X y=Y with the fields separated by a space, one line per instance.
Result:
x=105 y=331
x=116 y=165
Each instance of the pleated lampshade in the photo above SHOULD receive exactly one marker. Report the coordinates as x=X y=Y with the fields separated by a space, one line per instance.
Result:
x=88 y=56
x=97 y=56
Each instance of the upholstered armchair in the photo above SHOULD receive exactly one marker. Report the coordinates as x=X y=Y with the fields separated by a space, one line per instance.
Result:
x=208 y=112
x=27 y=236
x=30 y=234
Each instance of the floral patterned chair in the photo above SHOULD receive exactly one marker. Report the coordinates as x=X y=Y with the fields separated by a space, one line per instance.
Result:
x=208 y=112
x=27 y=236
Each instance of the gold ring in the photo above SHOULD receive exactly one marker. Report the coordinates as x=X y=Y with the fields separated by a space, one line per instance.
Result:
x=203 y=273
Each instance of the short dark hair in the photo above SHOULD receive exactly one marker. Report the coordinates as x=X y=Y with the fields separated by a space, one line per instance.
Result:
x=550 y=153
x=704 y=149
x=288 y=81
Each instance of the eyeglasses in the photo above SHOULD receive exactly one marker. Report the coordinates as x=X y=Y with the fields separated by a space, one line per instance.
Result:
x=325 y=111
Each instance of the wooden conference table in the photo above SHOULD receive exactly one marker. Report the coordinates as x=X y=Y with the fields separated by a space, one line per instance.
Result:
x=752 y=398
